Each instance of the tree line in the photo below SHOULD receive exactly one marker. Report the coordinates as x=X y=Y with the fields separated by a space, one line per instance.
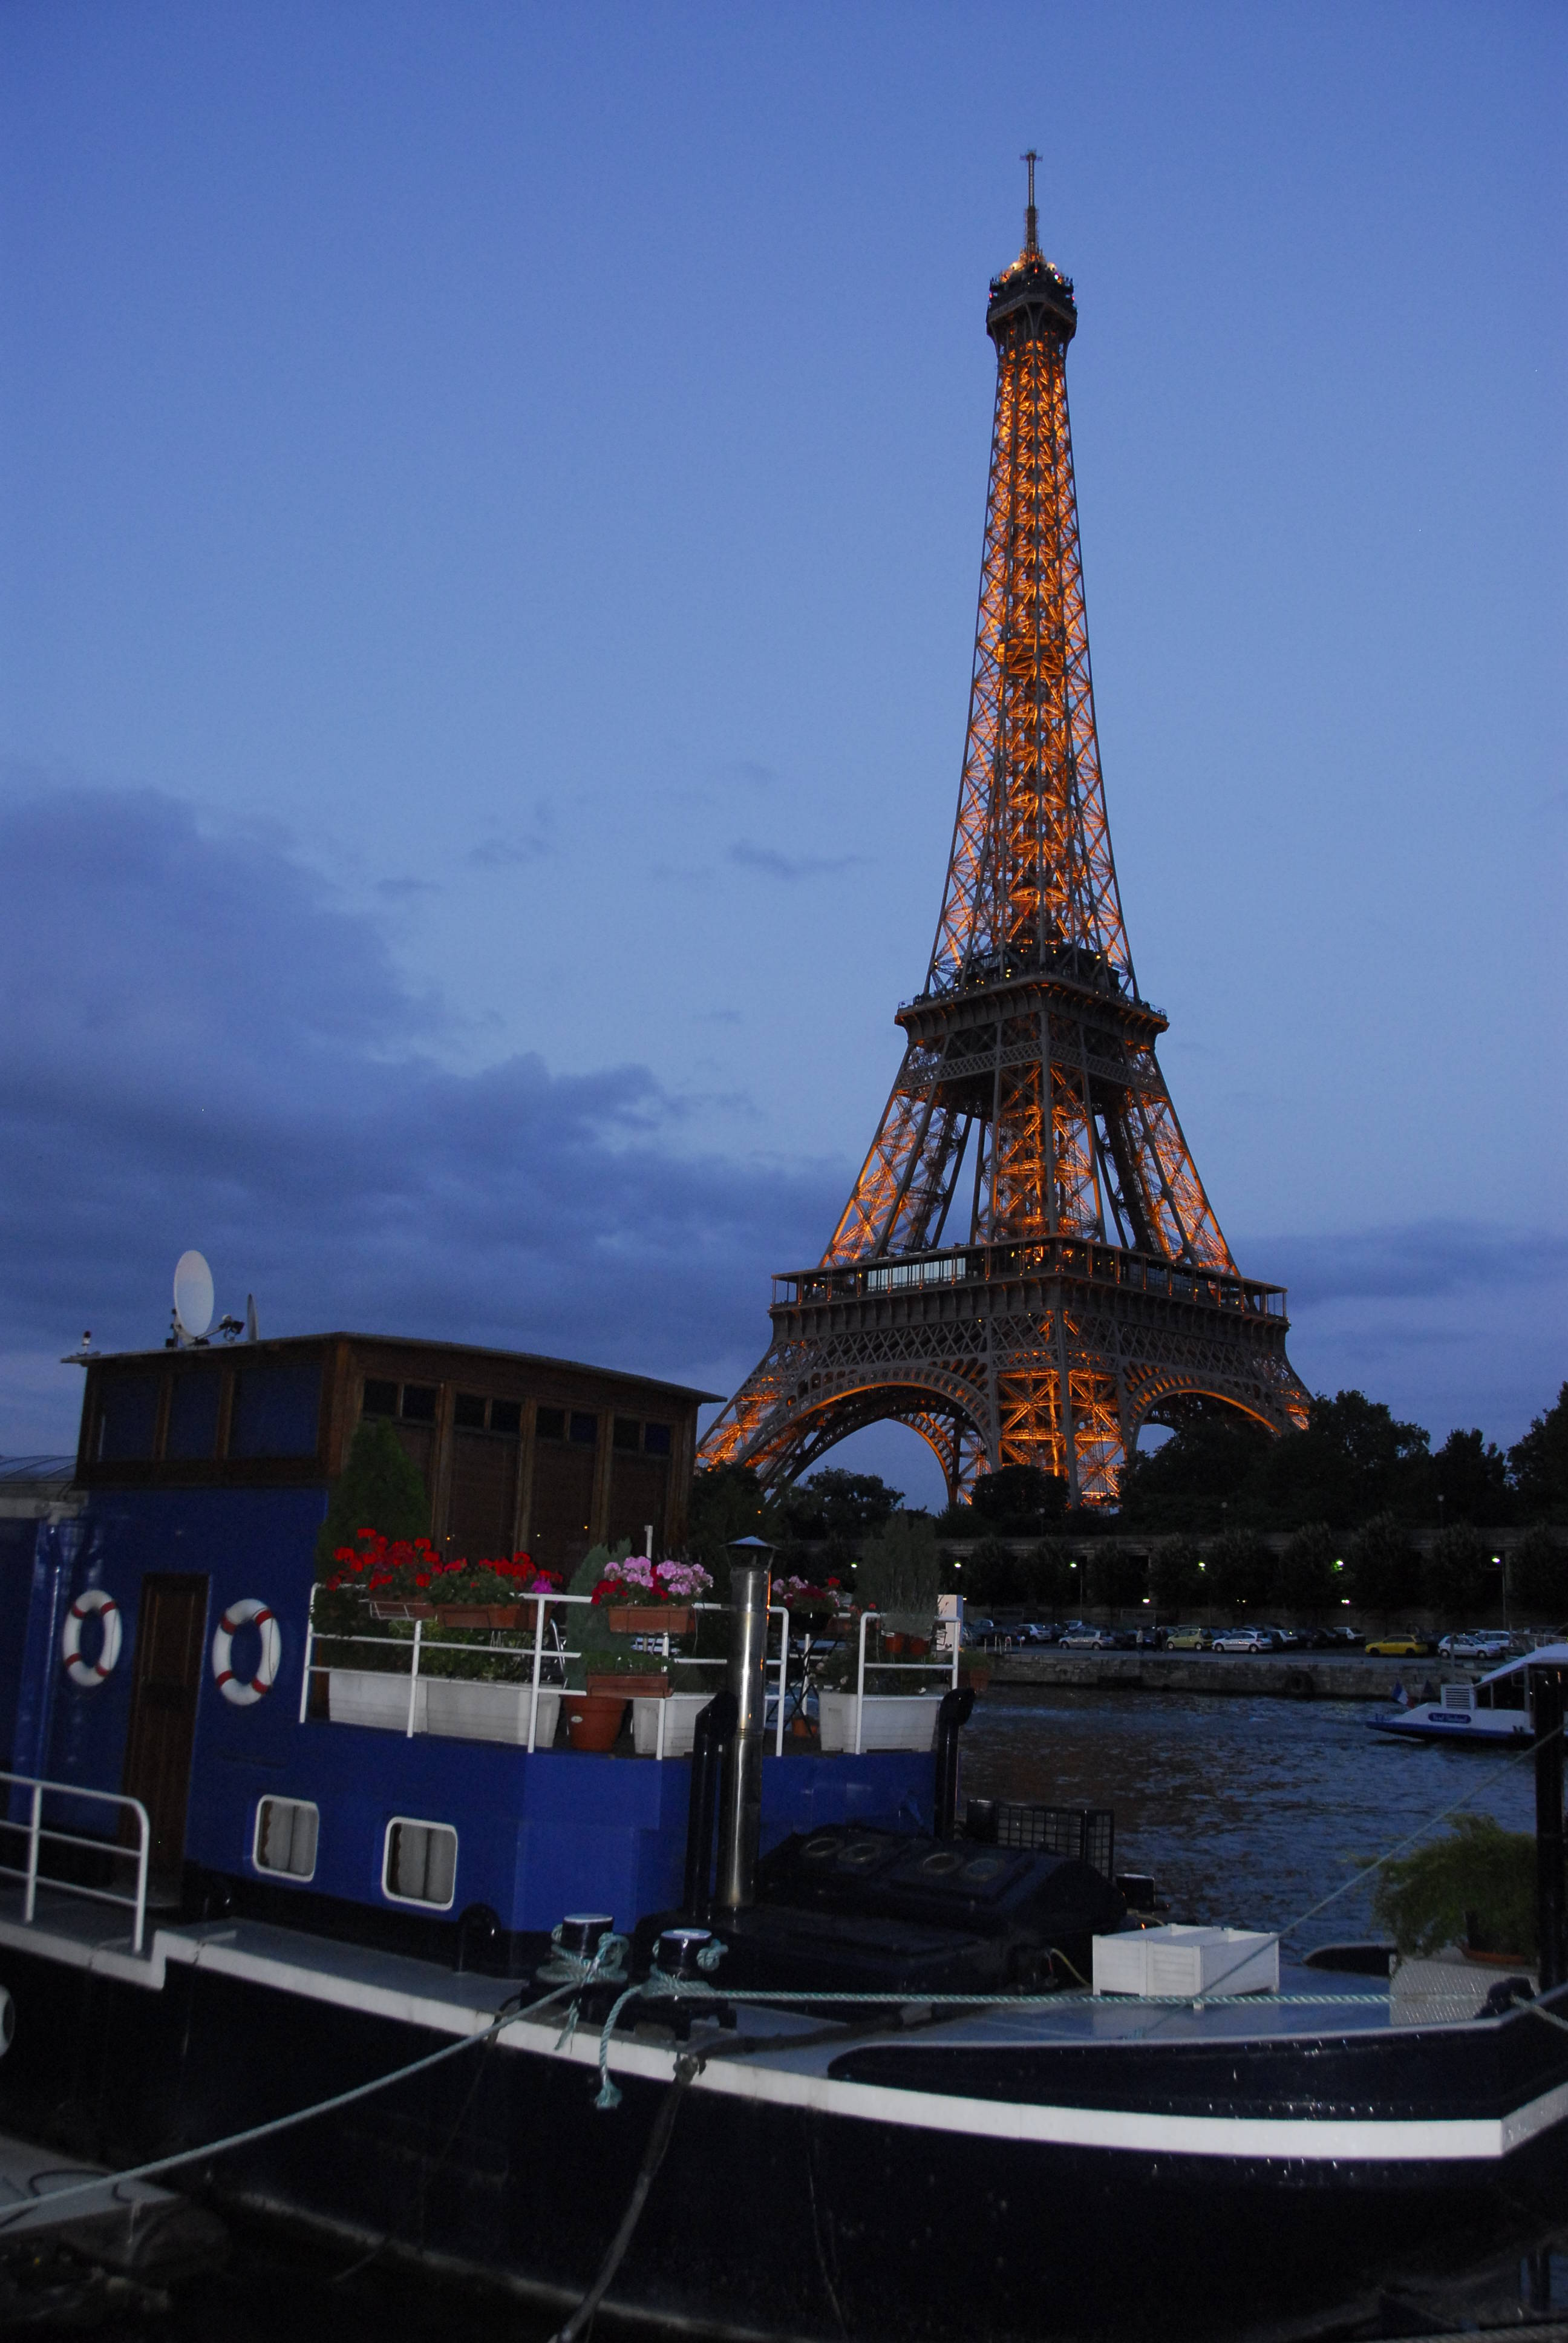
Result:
x=1349 y=1491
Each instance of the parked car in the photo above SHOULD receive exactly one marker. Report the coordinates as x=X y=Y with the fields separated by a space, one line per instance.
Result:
x=1406 y=1646
x=1089 y=1639
x=1244 y=1639
x=1490 y=1648
x=1189 y=1639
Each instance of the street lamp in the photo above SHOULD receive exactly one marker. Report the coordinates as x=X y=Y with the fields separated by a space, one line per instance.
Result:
x=1500 y=1561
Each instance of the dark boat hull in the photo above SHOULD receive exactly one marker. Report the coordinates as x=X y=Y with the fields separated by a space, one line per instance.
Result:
x=777 y=2212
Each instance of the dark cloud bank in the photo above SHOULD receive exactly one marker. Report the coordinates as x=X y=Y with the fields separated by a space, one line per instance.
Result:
x=199 y=1045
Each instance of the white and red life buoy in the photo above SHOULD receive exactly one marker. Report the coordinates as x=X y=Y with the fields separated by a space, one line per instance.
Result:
x=243 y=1690
x=91 y=1672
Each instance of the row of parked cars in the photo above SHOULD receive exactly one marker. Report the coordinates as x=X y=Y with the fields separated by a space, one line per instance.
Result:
x=1483 y=1650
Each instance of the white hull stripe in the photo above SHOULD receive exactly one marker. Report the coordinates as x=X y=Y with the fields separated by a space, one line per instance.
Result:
x=1330 y=2139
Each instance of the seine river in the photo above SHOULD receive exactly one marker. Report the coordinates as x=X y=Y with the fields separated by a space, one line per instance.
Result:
x=1246 y=1812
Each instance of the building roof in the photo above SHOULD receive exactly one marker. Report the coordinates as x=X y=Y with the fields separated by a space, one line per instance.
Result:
x=417 y=1342
x=52 y=1472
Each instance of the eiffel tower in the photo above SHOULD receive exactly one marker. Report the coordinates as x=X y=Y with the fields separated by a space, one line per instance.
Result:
x=1091 y=1292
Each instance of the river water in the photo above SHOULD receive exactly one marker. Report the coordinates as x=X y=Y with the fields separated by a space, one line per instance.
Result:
x=1247 y=1811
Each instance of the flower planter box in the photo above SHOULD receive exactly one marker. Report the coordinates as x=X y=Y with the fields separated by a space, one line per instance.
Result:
x=892 y=1720
x=682 y=1711
x=461 y=1615
x=651 y=1619
x=387 y=1610
x=646 y=1684
x=489 y=1712
x=375 y=1696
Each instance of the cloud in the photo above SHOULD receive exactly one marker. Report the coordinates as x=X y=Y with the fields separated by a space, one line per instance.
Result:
x=401 y=891
x=749 y=770
x=200 y=1044
x=791 y=867
x=1420 y=1259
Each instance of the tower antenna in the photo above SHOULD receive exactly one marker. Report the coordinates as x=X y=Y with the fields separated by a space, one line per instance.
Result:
x=1030 y=217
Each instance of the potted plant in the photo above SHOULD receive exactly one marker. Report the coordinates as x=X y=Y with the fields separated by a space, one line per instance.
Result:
x=1475 y=1888
x=628 y=1676
x=900 y=1576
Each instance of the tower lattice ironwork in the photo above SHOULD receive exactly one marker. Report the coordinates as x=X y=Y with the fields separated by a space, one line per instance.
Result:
x=1093 y=1292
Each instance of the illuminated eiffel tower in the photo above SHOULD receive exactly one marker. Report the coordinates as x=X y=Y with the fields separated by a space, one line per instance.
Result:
x=1092 y=1291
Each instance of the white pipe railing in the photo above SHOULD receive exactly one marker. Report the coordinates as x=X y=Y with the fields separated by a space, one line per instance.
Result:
x=38 y=1831
x=926 y=1667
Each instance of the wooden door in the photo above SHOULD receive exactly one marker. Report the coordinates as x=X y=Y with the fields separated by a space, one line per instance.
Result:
x=171 y=1631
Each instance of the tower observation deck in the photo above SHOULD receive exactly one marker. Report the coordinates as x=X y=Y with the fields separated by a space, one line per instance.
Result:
x=1029 y=1269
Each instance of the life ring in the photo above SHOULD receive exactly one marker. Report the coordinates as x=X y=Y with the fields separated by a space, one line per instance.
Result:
x=243 y=1690
x=91 y=1672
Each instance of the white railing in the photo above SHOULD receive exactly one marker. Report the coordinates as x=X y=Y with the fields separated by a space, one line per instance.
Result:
x=36 y=1831
x=927 y=1667
x=555 y=1655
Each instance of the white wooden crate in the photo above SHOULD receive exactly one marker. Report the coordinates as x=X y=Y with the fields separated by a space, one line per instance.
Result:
x=1186 y=1961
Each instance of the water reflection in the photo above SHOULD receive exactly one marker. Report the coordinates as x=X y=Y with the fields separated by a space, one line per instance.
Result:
x=1245 y=1811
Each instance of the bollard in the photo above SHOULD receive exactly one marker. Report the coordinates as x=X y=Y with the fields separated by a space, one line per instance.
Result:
x=1546 y=1691
x=740 y=1807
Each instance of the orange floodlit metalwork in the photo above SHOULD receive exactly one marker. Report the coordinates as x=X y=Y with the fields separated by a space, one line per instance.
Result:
x=1029 y=1105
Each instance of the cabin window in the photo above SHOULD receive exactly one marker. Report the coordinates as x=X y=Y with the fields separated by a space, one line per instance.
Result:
x=275 y=1409
x=380 y=1398
x=421 y=1864
x=419 y=1402
x=193 y=1414
x=656 y=1439
x=127 y=1414
x=286 y=1835
x=468 y=1410
x=551 y=1423
x=585 y=1429
x=507 y=1416
x=627 y=1429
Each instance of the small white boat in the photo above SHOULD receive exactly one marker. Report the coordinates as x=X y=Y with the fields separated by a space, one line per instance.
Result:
x=1494 y=1714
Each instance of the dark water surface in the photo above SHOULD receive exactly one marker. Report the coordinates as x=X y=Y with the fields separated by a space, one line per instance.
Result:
x=1246 y=1811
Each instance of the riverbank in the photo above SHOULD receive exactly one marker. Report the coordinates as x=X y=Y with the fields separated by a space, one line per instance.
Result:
x=1288 y=1675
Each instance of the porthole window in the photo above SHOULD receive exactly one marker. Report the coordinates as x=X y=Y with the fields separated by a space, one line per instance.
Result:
x=285 y=1835
x=421 y=1864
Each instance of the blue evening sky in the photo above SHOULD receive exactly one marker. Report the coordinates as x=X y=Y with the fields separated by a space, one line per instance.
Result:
x=492 y=501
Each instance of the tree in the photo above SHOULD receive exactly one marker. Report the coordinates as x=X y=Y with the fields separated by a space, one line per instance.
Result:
x=1050 y=1580
x=1538 y=1573
x=380 y=1488
x=899 y=1573
x=1186 y=1484
x=1353 y=1460
x=1470 y=1474
x=1121 y=1576
x=1305 y=1580
x=727 y=1502
x=992 y=1575
x=1175 y=1581
x=1460 y=1579
x=1019 y=1498
x=1240 y=1570
x=1539 y=1463
x=838 y=1504
x=1383 y=1566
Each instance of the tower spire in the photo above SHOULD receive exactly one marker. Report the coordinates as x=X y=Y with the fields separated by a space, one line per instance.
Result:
x=1030 y=216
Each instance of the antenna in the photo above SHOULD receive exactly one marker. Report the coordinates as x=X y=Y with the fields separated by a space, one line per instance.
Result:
x=193 y=1298
x=250 y=1333
x=1030 y=217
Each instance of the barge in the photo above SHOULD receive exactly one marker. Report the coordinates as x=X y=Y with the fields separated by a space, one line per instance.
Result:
x=750 y=2041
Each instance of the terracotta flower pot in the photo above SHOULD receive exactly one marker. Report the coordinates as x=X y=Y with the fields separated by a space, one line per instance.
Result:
x=652 y=1619
x=382 y=1609
x=593 y=1719
x=486 y=1615
x=976 y=1678
x=652 y=1684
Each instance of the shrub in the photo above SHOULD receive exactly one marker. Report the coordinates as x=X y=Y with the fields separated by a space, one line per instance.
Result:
x=1460 y=1579
x=1383 y=1566
x=1174 y=1579
x=1240 y=1570
x=1477 y=1884
x=901 y=1573
x=1305 y=1580
x=380 y=1488
x=1538 y=1573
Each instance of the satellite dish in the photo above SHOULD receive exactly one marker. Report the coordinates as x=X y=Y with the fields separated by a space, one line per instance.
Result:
x=193 y=1295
